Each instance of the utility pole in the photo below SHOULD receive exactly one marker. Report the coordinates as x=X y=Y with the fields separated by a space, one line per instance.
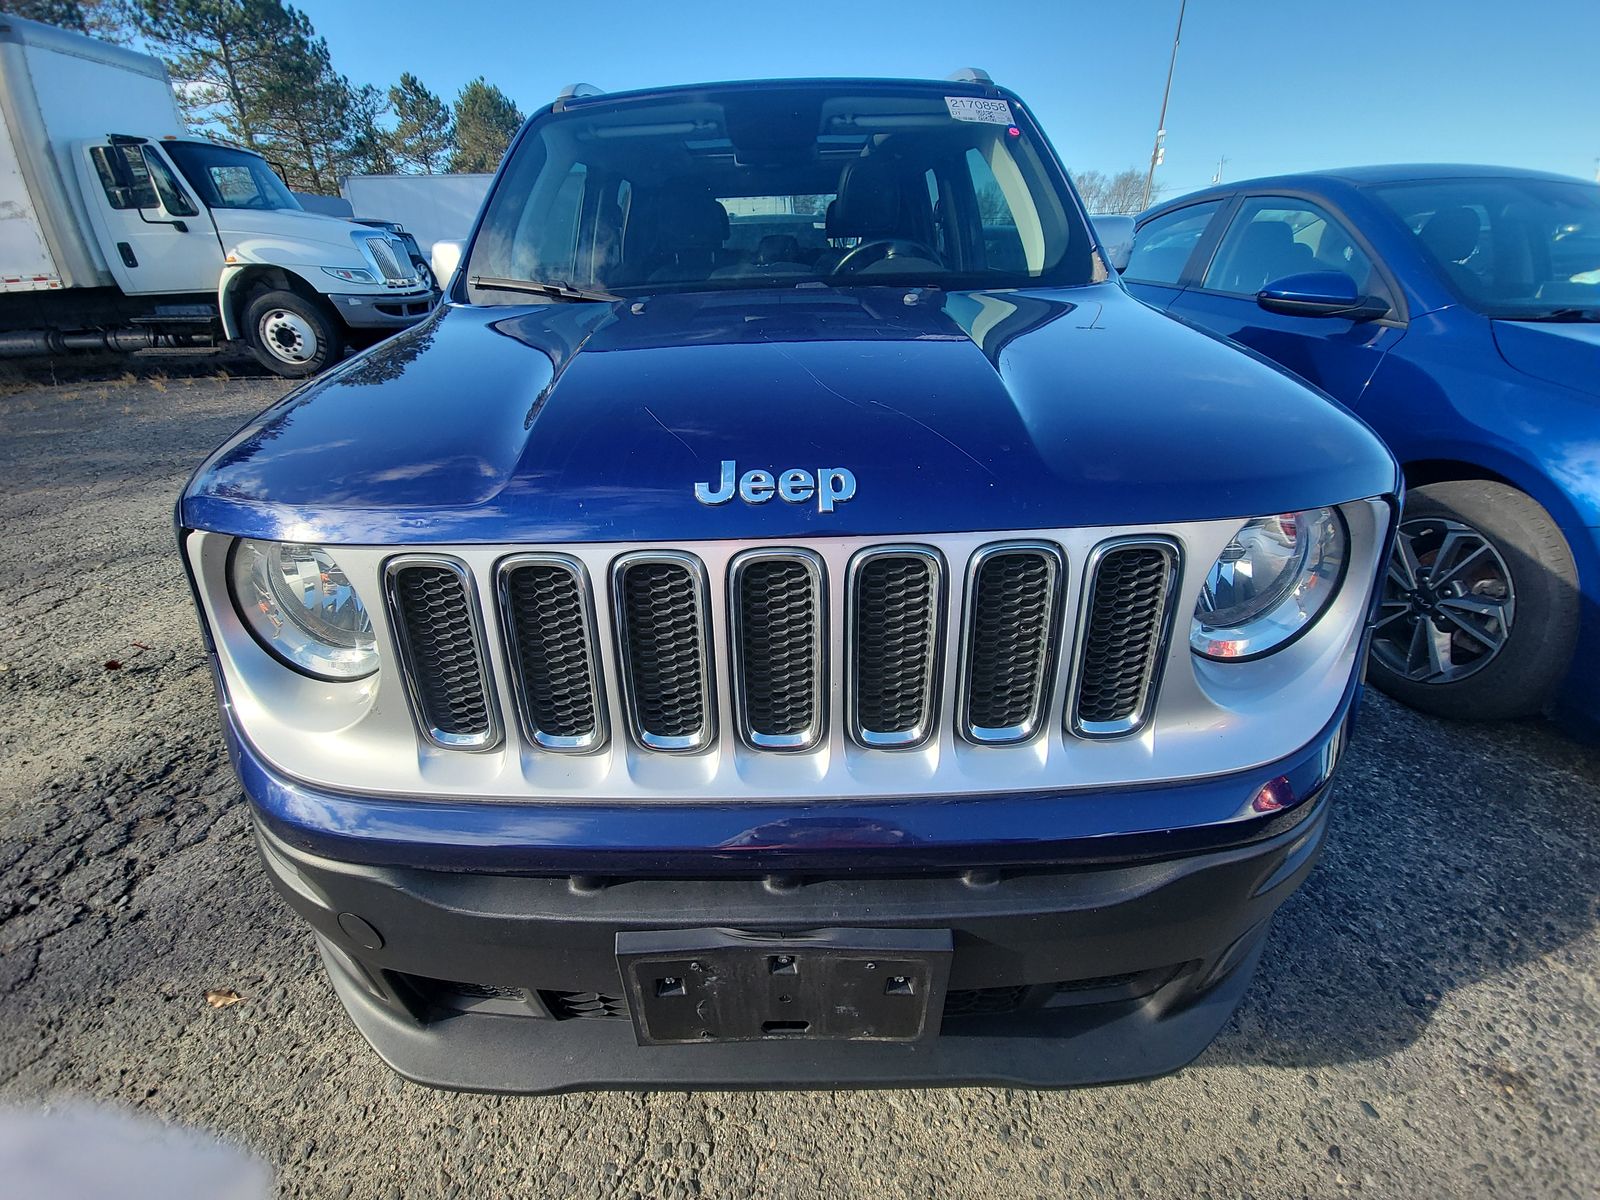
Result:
x=1159 y=152
x=1221 y=161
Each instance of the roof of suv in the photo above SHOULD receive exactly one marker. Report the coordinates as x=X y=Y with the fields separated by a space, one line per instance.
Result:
x=950 y=86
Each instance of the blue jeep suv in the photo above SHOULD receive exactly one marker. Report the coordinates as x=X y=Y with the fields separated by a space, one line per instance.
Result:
x=1456 y=309
x=789 y=617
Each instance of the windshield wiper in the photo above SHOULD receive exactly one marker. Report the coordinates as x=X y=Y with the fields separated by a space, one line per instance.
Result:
x=1558 y=315
x=553 y=288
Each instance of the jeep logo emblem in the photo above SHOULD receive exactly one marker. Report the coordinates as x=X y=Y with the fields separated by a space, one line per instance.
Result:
x=830 y=485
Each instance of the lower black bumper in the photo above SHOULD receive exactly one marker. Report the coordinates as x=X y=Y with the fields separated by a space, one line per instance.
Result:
x=397 y=311
x=1058 y=978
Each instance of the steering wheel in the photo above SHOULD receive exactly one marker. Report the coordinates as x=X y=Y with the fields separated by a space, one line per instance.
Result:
x=878 y=249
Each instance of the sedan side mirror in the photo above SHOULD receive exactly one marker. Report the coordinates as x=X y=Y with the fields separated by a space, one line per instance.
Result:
x=1320 y=294
x=444 y=260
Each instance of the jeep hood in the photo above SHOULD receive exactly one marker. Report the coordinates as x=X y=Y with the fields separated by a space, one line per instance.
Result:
x=1568 y=354
x=953 y=411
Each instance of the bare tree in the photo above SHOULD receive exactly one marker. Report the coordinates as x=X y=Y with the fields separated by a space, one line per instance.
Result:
x=1119 y=193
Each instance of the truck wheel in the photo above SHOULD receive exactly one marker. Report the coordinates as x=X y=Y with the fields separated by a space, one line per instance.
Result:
x=1480 y=604
x=291 y=335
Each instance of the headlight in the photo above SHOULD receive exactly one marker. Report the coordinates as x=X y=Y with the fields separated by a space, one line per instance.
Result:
x=299 y=605
x=351 y=274
x=1270 y=584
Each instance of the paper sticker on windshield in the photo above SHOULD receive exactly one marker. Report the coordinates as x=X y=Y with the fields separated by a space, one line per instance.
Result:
x=989 y=112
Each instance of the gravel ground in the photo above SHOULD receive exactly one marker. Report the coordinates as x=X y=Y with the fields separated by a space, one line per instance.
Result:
x=1425 y=1022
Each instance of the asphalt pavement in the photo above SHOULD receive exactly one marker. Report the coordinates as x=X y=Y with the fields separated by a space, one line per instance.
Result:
x=1425 y=1022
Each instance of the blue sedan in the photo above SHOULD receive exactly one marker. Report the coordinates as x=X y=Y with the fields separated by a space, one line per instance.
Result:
x=1457 y=310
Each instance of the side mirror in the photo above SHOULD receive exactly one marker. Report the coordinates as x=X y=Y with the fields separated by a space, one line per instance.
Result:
x=444 y=260
x=1114 y=232
x=1320 y=294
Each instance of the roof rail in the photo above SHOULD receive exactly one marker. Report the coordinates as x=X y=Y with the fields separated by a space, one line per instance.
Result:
x=576 y=91
x=970 y=75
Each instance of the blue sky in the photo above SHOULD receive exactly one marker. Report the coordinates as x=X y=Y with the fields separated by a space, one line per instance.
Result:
x=1271 y=85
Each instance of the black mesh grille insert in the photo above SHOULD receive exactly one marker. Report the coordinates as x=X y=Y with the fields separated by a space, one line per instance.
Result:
x=1009 y=641
x=1127 y=606
x=779 y=642
x=664 y=633
x=435 y=619
x=983 y=1002
x=567 y=1006
x=551 y=649
x=895 y=623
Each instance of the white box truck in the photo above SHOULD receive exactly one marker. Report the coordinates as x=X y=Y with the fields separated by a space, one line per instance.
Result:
x=432 y=208
x=120 y=230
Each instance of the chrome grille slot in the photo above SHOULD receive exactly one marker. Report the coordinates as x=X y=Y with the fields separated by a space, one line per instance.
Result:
x=393 y=261
x=440 y=639
x=1009 y=637
x=895 y=600
x=1127 y=623
x=663 y=639
x=777 y=636
x=548 y=623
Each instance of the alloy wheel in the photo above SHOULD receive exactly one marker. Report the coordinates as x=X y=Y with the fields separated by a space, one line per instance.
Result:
x=1448 y=603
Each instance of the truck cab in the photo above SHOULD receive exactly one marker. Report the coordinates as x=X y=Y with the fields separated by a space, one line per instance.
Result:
x=151 y=235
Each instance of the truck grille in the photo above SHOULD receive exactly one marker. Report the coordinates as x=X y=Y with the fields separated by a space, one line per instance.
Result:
x=1129 y=616
x=783 y=670
x=392 y=260
x=441 y=646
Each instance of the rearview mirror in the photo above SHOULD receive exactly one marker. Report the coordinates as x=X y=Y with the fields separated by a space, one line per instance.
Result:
x=1320 y=294
x=444 y=260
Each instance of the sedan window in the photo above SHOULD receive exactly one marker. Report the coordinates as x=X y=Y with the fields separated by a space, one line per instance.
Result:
x=1161 y=247
x=1516 y=247
x=1272 y=237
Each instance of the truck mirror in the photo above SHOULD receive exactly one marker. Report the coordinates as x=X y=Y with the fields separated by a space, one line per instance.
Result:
x=446 y=258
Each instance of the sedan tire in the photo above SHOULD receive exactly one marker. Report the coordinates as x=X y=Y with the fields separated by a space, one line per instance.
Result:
x=1480 y=604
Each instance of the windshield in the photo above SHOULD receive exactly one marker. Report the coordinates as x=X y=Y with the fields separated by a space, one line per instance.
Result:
x=780 y=186
x=1510 y=247
x=229 y=178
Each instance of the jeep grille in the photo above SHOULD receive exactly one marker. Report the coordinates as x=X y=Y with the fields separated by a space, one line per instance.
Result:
x=441 y=645
x=1129 y=617
x=1006 y=602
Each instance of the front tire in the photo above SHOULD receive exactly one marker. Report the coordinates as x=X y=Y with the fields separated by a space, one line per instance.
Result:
x=291 y=335
x=1480 y=604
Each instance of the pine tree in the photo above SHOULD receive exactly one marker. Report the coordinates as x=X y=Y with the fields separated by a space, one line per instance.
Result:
x=423 y=130
x=486 y=121
x=224 y=56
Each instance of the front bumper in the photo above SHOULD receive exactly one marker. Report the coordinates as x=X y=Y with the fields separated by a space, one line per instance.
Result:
x=494 y=967
x=398 y=311
x=1064 y=978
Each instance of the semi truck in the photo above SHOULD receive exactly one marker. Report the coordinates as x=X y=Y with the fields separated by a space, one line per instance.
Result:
x=121 y=231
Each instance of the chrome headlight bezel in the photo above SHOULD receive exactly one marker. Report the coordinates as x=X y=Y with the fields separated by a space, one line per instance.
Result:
x=286 y=627
x=1289 y=604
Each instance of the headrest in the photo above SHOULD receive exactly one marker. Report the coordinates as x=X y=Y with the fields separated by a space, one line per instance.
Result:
x=1266 y=237
x=868 y=204
x=778 y=247
x=691 y=220
x=1451 y=233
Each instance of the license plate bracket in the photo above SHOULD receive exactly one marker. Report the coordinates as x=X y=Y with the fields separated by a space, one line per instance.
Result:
x=720 y=985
